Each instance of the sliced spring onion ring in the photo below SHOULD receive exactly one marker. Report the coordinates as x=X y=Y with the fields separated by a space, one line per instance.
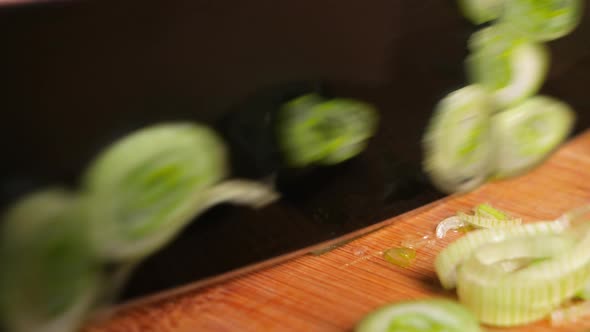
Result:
x=502 y=298
x=482 y=11
x=527 y=133
x=510 y=66
x=457 y=144
x=486 y=222
x=420 y=315
x=312 y=130
x=145 y=188
x=543 y=20
x=448 y=224
x=485 y=216
x=518 y=275
x=449 y=260
x=50 y=276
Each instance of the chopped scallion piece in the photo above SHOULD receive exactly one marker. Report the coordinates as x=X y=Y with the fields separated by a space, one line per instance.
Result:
x=458 y=149
x=510 y=66
x=50 y=276
x=543 y=19
x=420 y=315
x=482 y=11
x=312 y=130
x=527 y=133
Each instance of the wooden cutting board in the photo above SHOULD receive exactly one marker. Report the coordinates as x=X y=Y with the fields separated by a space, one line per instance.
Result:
x=331 y=292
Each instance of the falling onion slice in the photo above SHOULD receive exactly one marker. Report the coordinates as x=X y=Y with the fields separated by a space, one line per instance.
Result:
x=509 y=65
x=527 y=133
x=145 y=188
x=457 y=143
x=543 y=20
x=51 y=277
x=481 y=11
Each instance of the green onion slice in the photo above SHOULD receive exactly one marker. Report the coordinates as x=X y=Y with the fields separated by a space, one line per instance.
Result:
x=50 y=276
x=509 y=65
x=543 y=20
x=312 y=130
x=458 y=150
x=527 y=133
x=420 y=315
x=462 y=220
x=487 y=222
x=487 y=211
x=531 y=293
x=450 y=223
x=518 y=275
x=481 y=11
x=453 y=256
x=145 y=188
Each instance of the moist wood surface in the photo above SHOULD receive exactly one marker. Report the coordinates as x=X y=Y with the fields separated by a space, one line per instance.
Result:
x=333 y=291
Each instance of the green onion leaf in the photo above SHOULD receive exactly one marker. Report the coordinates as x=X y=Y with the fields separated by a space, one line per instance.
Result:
x=145 y=188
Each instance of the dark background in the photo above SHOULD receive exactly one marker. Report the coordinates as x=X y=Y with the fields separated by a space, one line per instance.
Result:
x=76 y=75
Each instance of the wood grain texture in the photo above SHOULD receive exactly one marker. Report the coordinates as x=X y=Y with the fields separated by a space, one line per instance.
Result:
x=333 y=291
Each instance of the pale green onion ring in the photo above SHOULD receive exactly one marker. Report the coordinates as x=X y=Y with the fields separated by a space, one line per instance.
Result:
x=482 y=11
x=511 y=67
x=453 y=256
x=145 y=188
x=543 y=20
x=312 y=130
x=527 y=133
x=420 y=315
x=50 y=277
x=509 y=298
x=457 y=145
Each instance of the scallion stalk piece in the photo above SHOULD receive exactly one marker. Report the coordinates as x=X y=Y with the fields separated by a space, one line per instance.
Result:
x=450 y=223
x=449 y=260
x=482 y=11
x=50 y=277
x=509 y=65
x=543 y=20
x=458 y=149
x=312 y=130
x=487 y=211
x=517 y=275
x=527 y=133
x=145 y=188
x=485 y=216
x=420 y=315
